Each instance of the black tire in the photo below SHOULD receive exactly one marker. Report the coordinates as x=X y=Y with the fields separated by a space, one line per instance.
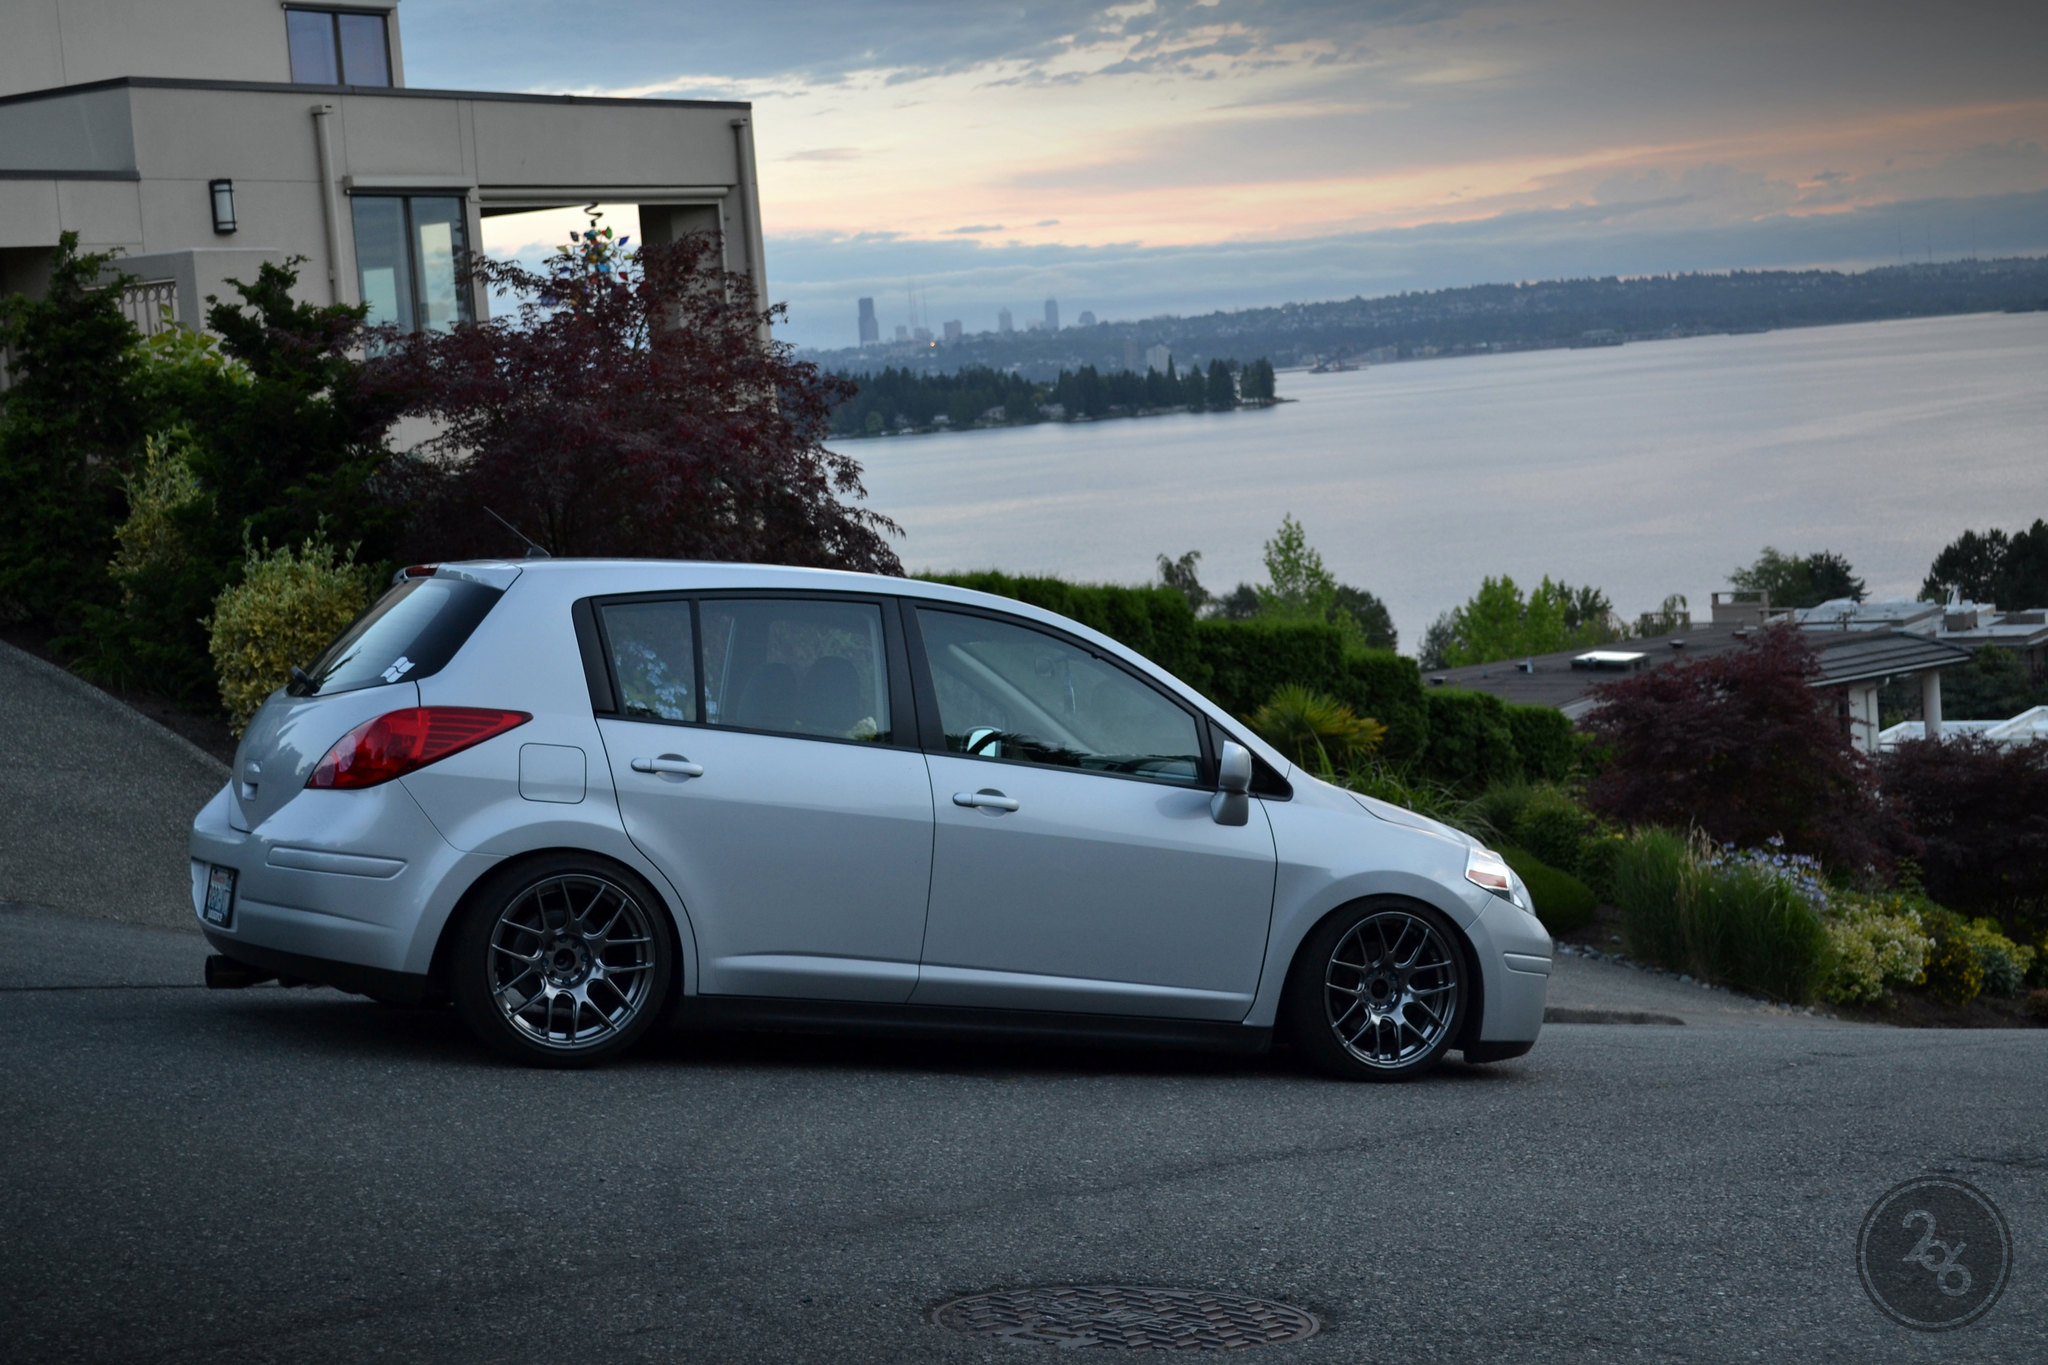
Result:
x=1378 y=992
x=564 y=961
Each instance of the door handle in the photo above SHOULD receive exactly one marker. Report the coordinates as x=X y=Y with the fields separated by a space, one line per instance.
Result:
x=672 y=764
x=988 y=798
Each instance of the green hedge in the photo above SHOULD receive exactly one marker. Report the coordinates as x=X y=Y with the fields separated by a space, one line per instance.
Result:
x=1545 y=741
x=1470 y=743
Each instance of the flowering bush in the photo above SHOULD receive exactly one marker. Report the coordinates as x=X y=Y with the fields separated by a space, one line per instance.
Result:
x=1973 y=955
x=1873 y=942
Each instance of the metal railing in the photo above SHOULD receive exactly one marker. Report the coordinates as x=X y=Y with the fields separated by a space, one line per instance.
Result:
x=152 y=305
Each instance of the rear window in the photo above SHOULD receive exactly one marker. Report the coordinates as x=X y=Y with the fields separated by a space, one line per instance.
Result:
x=411 y=632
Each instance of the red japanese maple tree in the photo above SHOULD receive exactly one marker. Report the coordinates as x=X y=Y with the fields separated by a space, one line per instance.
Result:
x=1743 y=747
x=633 y=404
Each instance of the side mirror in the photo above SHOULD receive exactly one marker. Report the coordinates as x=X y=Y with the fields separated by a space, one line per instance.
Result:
x=1232 y=803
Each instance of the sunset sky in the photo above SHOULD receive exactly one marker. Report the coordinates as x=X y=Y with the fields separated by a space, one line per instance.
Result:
x=1165 y=156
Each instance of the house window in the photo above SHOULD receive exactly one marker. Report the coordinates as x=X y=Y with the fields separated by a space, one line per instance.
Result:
x=338 y=47
x=408 y=256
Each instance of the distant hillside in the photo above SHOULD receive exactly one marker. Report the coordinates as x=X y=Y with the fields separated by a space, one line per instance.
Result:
x=1489 y=317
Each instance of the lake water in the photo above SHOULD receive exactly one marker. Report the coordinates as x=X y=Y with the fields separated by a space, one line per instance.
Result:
x=1645 y=469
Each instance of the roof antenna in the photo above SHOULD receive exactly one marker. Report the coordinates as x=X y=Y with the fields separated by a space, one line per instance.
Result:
x=533 y=551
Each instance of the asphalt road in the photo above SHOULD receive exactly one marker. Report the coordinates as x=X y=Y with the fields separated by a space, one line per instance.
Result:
x=299 y=1175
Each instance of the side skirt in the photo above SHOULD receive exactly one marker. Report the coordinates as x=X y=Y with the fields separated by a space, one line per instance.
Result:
x=710 y=1012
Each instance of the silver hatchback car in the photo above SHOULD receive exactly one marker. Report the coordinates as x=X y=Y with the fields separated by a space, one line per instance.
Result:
x=583 y=798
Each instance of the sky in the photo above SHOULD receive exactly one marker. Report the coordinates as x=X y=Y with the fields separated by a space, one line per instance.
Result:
x=1177 y=156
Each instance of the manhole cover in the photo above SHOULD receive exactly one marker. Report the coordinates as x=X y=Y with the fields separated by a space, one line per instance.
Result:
x=1125 y=1318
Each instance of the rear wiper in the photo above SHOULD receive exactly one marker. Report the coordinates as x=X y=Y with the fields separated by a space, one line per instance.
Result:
x=302 y=684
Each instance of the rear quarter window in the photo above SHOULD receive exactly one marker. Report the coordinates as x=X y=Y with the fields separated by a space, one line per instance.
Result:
x=411 y=632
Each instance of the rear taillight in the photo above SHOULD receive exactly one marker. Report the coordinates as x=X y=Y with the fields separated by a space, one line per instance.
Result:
x=397 y=742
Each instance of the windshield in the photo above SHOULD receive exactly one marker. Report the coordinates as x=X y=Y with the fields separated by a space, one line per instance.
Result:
x=412 y=631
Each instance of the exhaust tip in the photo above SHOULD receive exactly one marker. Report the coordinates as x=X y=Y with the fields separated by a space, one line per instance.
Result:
x=226 y=974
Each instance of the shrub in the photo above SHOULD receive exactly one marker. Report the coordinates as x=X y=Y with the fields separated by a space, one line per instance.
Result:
x=1979 y=814
x=1873 y=942
x=1954 y=972
x=1316 y=731
x=1561 y=901
x=1739 y=746
x=1545 y=740
x=1554 y=827
x=2002 y=965
x=1646 y=883
x=1470 y=744
x=154 y=637
x=286 y=609
x=2037 y=1004
x=1598 y=853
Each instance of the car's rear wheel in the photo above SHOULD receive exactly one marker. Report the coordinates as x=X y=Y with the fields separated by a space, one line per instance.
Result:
x=1377 y=992
x=564 y=961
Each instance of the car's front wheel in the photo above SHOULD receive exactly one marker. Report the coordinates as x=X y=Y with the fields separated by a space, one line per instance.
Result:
x=1377 y=992
x=563 y=961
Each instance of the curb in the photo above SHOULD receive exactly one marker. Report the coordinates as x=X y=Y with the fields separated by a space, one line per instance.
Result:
x=133 y=719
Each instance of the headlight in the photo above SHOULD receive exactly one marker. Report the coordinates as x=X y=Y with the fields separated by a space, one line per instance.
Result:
x=1484 y=867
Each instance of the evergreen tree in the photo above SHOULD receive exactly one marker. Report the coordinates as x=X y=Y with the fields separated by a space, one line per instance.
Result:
x=70 y=426
x=1222 y=387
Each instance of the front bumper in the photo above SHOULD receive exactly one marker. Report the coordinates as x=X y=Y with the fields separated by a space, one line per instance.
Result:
x=1514 y=951
x=306 y=889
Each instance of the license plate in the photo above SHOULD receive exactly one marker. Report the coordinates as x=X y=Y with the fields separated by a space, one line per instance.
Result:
x=220 y=896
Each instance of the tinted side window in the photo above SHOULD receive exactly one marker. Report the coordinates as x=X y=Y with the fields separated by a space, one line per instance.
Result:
x=1007 y=691
x=654 y=659
x=797 y=666
x=411 y=632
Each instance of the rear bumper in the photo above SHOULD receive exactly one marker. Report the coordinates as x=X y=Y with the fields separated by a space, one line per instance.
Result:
x=405 y=988
x=306 y=890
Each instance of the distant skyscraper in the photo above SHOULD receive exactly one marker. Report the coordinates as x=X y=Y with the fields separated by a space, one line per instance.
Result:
x=870 y=330
x=1052 y=315
x=1087 y=319
x=952 y=331
x=1157 y=358
x=902 y=332
x=1003 y=323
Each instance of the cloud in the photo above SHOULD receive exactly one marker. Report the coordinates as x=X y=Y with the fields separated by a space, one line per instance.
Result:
x=974 y=228
x=824 y=154
x=1047 y=222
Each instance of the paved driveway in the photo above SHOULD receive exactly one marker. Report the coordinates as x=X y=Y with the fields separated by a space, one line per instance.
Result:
x=297 y=1175
x=96 y=801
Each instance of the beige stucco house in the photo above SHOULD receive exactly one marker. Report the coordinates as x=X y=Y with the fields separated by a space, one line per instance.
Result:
x=202 y=137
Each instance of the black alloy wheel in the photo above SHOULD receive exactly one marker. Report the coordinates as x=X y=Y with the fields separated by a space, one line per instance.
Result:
x=563 y=961
x=1378 y=991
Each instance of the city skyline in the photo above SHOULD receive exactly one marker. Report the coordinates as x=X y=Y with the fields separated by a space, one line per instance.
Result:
x=1182 y=157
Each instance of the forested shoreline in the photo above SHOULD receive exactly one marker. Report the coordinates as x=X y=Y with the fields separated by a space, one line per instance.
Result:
x=896 y=401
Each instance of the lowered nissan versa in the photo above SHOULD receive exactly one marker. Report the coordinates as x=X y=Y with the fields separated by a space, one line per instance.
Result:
x=583 y=798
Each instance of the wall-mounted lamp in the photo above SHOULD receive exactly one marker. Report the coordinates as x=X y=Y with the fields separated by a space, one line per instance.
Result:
x=222 y=192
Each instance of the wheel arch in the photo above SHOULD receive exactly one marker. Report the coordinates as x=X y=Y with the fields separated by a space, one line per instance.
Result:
x=681 y=939
x=1461 y=939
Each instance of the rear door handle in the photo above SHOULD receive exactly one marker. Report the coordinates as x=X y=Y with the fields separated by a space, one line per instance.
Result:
x=988 y=798
x=673 y=764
